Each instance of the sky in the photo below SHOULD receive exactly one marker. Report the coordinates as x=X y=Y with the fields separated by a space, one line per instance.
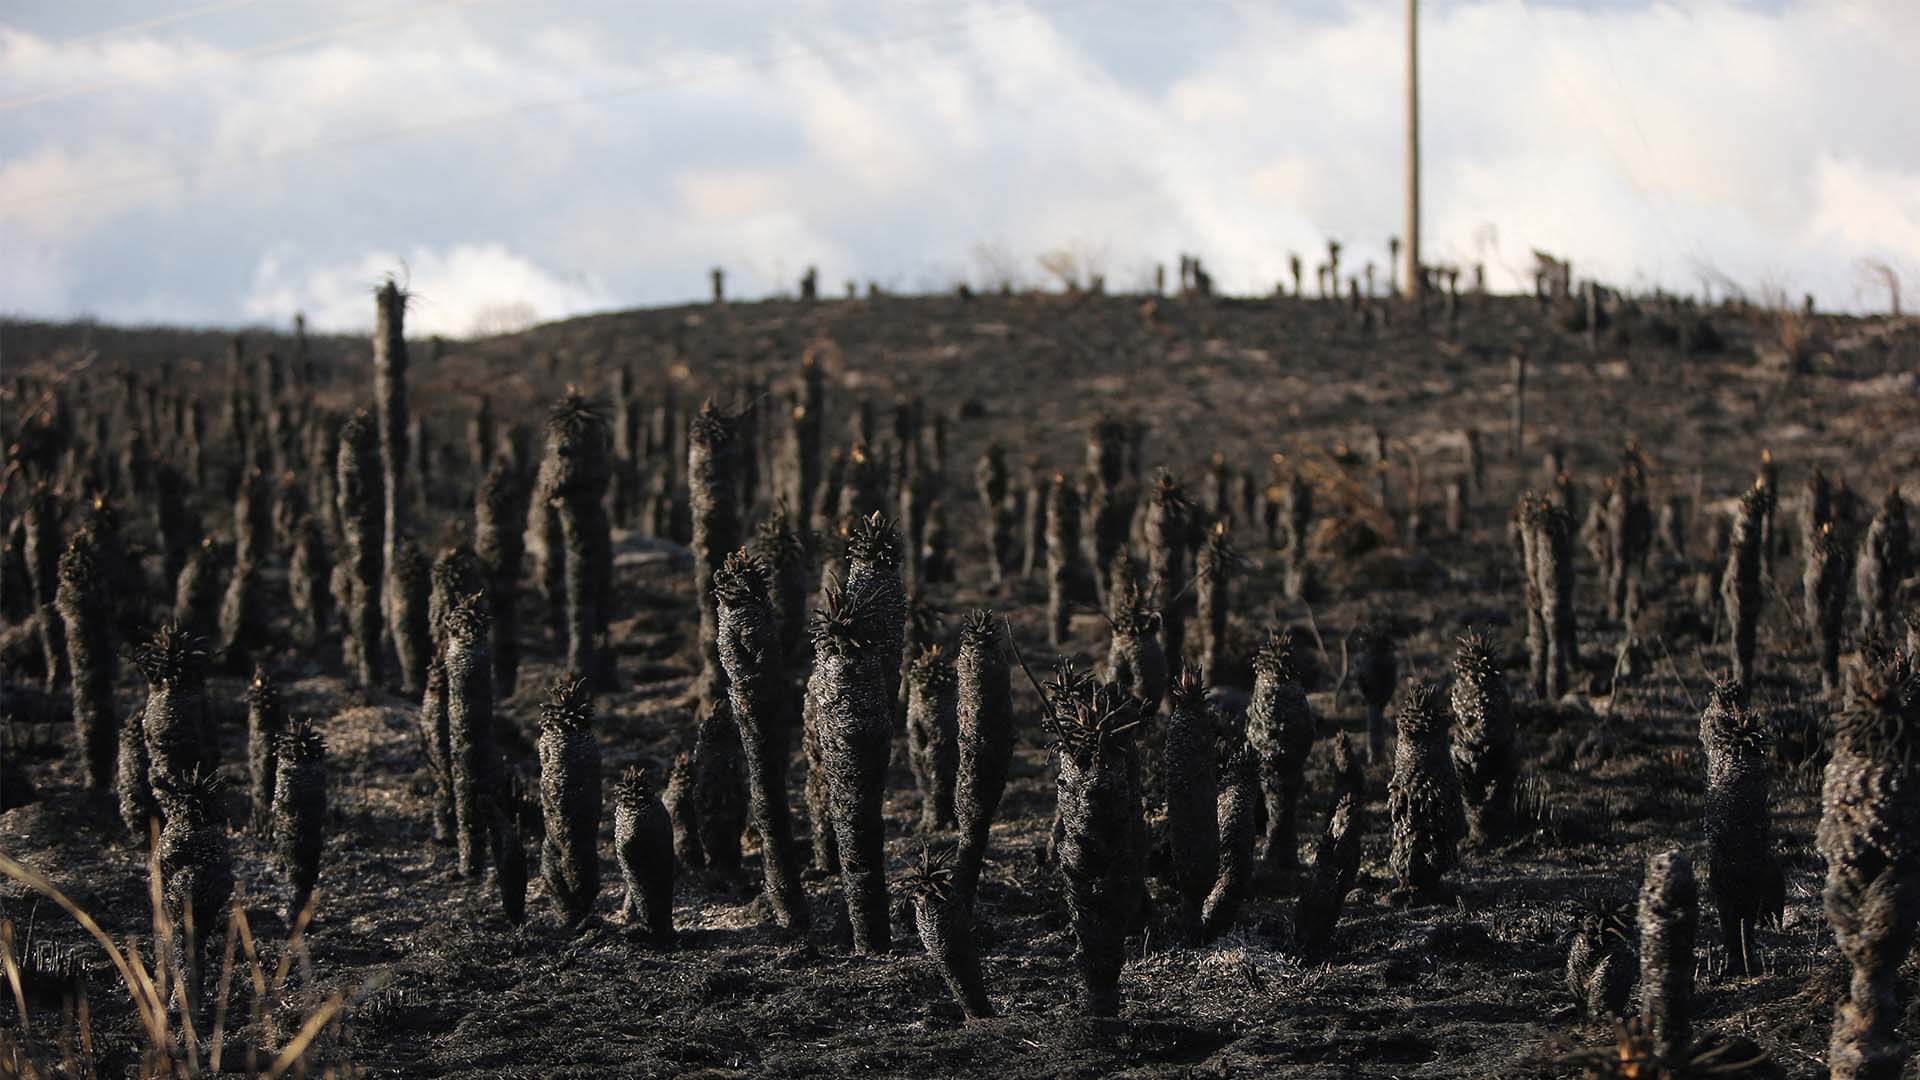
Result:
x=234 y=161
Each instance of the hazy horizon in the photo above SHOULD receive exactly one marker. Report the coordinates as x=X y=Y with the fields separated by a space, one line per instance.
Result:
x=230 y=163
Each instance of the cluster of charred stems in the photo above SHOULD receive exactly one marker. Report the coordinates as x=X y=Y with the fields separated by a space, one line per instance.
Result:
x=445 y=628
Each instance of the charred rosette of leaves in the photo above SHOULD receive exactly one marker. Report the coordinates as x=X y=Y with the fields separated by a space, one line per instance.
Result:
x=1280 y=732
x=933 y=735
x=1168 y=524
x=574 y=475
x=1745 y=881
x=713 y=464
x=1135 y=661
x=854 y=718
x=570 y=799
x=360 y=502
x=753 y=653
x=1602 y=962
x=1100 y=825
x=1885 y=562
x=475 y=763
x=643 y=843
x=1869 y=834
x=942 y=916
x=1193 y=828
x=1424 y=793
x=1486 y=751
x=175 y=721
x=266 y=720
x=985 y=734
x=1824 y=583
x=499 y=541
x=84 y=599
x=196 y=871
x=299 y=811
x=1214 y=568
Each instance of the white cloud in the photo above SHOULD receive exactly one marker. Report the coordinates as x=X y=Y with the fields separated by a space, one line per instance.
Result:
x=455 y=291
x=1647 y=141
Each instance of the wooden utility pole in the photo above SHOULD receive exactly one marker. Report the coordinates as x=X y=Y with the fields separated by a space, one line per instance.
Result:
x=1412 y=247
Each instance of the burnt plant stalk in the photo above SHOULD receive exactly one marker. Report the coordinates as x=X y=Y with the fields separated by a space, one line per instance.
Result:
x=991 y=483
x=359 y=497
x=778 y=546
x=309 y=578
x=1740 y=582
x=1552 y=526
x=1376 y=669
x=1424 y=794
x=1869 y=834
x=85 y=602
x=1214 y=568
x=753 y=651
x=854 y=714
x=1063 y=555
x=470 y=728
x=175 y=720
x=457 y=572
x=570 y=800
x=933 y=735
x=1669 y=916
x=1885 y=562
x=985 y=735
x=1167 y=526
x=409 y=607
x=574 y=476
x=1109 y=500
x=1742 y=875
x=42 y=550
x=499 y=529
x=390 y=399
x=196 y=872
x=502 y=811
x=1193 y=828
x=683 y=813
x=1530 y=507
x=1280 y=733
x=874 y=589
x=713 y=456
x=1135 y=661
x=133 y=784
x=643 y=844
x=943 y=920
x=1099 y=815
x=1297 y=513
x=436 y=737
x=266 y=721
x=720 y=789
x=1235 y=808
x=299 y=813
x=1336 y=858
x=1829 y=565
x=1486 y=751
